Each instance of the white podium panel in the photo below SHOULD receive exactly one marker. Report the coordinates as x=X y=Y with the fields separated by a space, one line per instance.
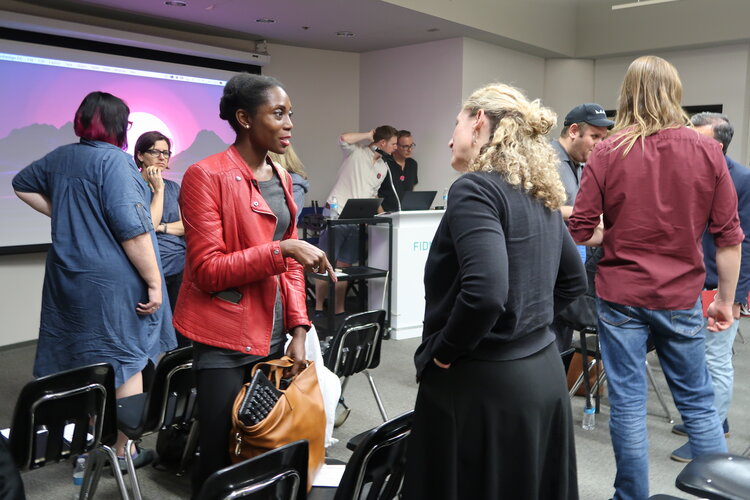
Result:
x=413 y=232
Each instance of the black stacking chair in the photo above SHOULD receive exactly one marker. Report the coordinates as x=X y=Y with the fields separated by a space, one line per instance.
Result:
x=716 y=476
x=376 y=469
x=68 y=414
x=170 y=401
x=279 y=474
x=356 y=348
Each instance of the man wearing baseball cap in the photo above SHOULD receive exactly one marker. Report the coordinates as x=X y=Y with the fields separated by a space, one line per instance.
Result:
x=584 y=127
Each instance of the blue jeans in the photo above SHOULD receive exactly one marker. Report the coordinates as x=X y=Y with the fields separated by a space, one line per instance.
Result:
x=679 y=340
x=719 y=361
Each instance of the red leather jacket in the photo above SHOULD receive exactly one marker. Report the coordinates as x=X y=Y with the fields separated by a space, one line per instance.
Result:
x=229 y=233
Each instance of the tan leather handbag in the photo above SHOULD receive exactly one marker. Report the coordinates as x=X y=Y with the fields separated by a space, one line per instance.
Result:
x=298 y=414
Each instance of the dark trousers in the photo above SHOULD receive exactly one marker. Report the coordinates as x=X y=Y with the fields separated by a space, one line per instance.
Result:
x=173 y=283
x=217 y=389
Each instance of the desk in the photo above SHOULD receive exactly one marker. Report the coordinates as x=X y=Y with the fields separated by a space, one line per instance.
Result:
x=413 y=232
x=362 y=273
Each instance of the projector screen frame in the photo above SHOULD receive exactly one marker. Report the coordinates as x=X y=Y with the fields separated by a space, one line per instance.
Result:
x=45 y=39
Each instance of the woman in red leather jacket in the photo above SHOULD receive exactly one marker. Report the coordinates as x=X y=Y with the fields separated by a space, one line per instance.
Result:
x=243 y=287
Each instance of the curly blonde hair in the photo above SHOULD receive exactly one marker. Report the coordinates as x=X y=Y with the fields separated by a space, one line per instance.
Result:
x=518 y=148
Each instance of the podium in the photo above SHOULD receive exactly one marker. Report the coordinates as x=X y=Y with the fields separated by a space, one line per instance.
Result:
x=413 y=232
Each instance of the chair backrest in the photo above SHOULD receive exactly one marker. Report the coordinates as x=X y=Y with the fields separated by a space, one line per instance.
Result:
x=378 y=461
x=172 y=396
x=279 y=474
x=356 y=345
x=716 y=476
x=64 y=414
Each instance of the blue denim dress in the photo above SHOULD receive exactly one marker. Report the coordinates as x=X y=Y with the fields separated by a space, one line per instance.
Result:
x=90 y=287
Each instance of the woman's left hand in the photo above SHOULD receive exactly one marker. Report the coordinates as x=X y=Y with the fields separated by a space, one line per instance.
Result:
x=296 y=351
x=155 y=180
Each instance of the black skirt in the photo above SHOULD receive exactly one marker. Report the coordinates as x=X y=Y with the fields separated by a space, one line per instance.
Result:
x=493 y=430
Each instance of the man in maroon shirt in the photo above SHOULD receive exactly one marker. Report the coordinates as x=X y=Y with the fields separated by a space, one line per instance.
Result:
x=658 y=185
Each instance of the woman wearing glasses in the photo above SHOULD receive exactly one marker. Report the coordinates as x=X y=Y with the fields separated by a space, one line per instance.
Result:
x=152 y=153
x=102 y=283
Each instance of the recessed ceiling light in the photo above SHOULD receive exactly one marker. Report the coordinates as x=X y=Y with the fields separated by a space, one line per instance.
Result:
x=432 y=30
x=266 y=20
x=176 y=3
x=345 y=34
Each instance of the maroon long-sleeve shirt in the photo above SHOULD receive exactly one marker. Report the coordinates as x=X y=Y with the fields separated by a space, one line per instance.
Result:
x=656 y=201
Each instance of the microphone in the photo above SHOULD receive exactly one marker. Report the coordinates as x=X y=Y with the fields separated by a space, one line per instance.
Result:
x=381 y=152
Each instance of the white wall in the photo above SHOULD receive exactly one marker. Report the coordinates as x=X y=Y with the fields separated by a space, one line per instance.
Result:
x=21 y=278
x=417 y=88
x=716 y=75
x=485 y=63
x=323 y=86
x=567 y=83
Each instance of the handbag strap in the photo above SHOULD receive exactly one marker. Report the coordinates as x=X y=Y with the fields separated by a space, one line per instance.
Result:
x=276 y=368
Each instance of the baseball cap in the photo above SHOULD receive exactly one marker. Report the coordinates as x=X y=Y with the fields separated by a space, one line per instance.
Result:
x=591 y=113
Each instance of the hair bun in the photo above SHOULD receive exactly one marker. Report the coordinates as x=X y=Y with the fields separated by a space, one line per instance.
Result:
x=539 y=118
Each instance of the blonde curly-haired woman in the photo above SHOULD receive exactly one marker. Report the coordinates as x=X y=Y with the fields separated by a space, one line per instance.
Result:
x=492 y=417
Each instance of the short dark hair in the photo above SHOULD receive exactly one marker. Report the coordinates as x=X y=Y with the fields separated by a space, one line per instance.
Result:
x=102 y=117
x=384 y=132
x=146 y=141
x=403 y=133
x=721 y=126
x=581 y=127
x=245 y=91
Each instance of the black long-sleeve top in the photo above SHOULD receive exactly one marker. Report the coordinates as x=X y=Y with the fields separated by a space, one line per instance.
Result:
x=500 y=267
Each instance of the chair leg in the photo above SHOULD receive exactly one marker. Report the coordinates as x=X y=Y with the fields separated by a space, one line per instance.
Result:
x=190 y=447
x=377 y=396
x=658 y=393
x=134 y=486
x=97 y=458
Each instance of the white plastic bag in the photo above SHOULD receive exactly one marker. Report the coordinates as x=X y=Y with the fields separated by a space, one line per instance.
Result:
x=330 y=385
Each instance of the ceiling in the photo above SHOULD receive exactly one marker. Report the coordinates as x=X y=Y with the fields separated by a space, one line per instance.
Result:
x=548 y=28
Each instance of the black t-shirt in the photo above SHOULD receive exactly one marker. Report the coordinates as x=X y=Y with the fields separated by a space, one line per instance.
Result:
x=403 y=180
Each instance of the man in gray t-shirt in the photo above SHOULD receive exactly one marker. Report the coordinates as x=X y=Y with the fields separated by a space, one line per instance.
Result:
x=584 y=127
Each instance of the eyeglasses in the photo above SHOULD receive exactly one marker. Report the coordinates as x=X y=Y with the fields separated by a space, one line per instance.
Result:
x=157 y=152
x=408 y=146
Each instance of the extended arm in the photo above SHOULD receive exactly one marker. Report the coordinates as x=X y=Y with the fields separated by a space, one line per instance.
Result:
x=37 y=201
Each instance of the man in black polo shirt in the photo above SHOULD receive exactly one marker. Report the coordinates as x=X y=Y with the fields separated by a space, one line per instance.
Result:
x=402 y=173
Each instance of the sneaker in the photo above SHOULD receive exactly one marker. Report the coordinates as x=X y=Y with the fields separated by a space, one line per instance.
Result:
x=744 y=310
x=682 y=454
x=680 y=429
x=141 y=458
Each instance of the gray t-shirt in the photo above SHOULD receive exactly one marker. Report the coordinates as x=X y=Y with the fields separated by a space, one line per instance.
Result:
x=206 y=356
x=570 y=173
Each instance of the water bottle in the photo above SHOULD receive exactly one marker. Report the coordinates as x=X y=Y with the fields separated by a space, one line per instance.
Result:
x=589 y=418
x=334 y=206
x=445 y=198
x=78 y=472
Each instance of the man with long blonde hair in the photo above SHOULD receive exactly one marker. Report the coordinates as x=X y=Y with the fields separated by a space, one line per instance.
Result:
x=658 y=185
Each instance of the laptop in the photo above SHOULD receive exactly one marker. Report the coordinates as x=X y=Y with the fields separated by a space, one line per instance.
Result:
x=417 y=200
x=360 y=208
